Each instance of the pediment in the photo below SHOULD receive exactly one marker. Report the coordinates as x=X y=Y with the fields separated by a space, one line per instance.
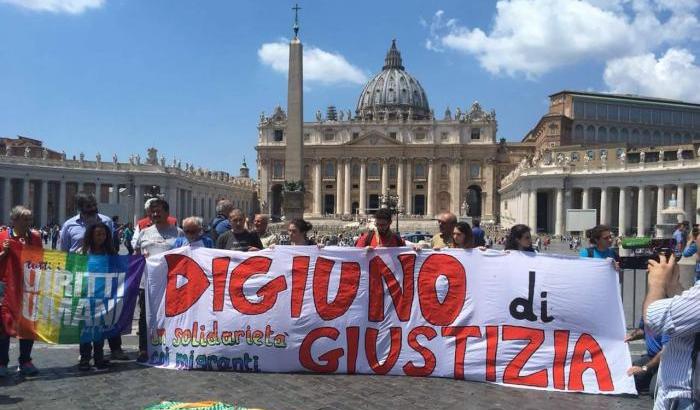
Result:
x=374 y=140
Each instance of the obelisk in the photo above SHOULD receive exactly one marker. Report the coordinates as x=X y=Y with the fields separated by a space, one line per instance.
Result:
x=294 y=150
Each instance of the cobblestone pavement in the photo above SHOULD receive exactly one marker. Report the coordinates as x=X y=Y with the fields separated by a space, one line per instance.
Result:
x=60 y=385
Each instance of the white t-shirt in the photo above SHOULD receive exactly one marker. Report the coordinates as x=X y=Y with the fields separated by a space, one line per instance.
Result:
x=152 y=241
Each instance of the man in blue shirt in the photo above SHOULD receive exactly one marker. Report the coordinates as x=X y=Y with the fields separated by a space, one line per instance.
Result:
x=73 y=230
x=478 y=233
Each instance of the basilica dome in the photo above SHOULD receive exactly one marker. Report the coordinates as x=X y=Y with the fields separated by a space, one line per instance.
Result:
x=393 y=93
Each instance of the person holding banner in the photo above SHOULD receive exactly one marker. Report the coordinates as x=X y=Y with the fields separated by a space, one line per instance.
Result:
x=519 y=239
x=98 y=241
x=298 y=231
x=446 y=224
x=238 y=238
x=381 y=236
x=462 y=236
x=668 y=311
x=155 y=239
x=14 y=239
x=73 y=230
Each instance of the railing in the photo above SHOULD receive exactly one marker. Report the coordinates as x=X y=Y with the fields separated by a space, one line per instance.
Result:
x=633 y=289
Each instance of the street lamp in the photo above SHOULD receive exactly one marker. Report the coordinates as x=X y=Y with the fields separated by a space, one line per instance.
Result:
x=391 y=202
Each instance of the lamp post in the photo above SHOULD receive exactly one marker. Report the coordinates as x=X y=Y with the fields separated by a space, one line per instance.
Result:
x=391 y=201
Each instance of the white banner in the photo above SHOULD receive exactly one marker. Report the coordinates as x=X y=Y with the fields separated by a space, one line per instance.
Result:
x=545 y=322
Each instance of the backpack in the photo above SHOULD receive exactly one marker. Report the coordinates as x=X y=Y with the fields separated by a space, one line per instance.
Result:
x=213 y=234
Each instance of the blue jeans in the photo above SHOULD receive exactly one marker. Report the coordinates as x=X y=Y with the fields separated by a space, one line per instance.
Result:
x=25 y=351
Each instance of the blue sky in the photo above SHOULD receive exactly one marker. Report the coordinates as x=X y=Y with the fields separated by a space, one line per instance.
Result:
x=191 y=77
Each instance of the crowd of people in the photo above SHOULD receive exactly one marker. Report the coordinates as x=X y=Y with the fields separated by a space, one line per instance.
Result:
x=664 y=327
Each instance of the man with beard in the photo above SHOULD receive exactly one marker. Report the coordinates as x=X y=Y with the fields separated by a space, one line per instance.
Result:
x=381 y=236
x=73 y=230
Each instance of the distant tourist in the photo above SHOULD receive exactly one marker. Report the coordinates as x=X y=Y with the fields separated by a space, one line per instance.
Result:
x=479 y=234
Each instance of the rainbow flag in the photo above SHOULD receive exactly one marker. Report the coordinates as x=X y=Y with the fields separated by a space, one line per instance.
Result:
x=59 y=297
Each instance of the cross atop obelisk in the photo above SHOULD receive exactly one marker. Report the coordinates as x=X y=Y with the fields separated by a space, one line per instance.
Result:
x=296 y=9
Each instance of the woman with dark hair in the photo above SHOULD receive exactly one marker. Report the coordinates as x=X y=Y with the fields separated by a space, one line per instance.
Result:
x=298 y=231
x=462 y=236
x=519 y=239
x=98 y=241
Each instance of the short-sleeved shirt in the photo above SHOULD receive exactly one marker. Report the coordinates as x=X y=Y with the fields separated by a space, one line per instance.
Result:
x=479 y=236
x=372 y=239
x=73 y=232
x=153 y=241
x=609 y=253
x=203 y=240
x=238 y=241
x=268 y=239
x=438 y=241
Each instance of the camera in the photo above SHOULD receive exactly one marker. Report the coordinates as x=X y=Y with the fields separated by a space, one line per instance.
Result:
x=644 y=249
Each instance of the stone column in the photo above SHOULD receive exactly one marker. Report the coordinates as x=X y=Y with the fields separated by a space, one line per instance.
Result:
x=622 y=219
x=363 y=186
x=6 y=199
x=81 y=186
x=347 y=195
x=114 y=193
x=680 y=196
x=385 y=176
x=659 y=207
x=44 y=203
x=25 y=193
x=408 y=202
x=400 y=190
x=455 y=179
x=586 y=198
x=604 y=215
x=431 y=190
x=532 y=211
x=559 y=212
x=339 y=188
x=641 y=211
x=138 y=202
x=697 y=203
x=317 y=188
x=62 y=202
x=172 y=201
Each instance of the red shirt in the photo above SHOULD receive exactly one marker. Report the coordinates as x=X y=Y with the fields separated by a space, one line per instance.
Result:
x=11 y=273
x=144 y=223
x=391 y=240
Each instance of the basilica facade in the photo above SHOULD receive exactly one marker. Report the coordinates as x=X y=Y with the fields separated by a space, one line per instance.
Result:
x=392 y=144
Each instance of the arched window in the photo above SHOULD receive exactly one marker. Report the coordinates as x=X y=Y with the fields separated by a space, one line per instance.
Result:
x=624 y=135
x=614 y=137
x=443 y=171
x=635 y=137
x=355 y=170
x=646 y=137
x=602 y=134
x=392 y=170
x=578 y=132
x=590 y=134
x=677 y=139
x=656 y=137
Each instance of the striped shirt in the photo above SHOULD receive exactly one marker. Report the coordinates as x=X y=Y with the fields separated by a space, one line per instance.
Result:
x=679 y=318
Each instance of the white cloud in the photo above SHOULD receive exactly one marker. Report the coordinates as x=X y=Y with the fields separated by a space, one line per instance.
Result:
x=533 y=37
x=673 y=75
x=57 y=6
x=319 y=66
